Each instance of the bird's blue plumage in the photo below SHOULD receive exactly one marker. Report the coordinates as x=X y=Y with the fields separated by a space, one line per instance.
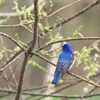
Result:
x=64 y=63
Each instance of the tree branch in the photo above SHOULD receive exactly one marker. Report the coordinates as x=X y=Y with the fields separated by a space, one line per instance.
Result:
x=35 y=33
x=18 y=94
x=27 y=54
x=12 y=39
x=67 y=40
x=77 y=1
x=96 y=2
x=44 y=46
x=51 y=95
x=79 y=77
x=11 y=61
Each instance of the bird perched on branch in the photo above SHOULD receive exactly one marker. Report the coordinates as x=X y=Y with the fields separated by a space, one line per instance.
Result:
x=65 y=62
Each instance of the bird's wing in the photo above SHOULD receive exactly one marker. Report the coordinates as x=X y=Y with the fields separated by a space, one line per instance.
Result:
x=66 y=63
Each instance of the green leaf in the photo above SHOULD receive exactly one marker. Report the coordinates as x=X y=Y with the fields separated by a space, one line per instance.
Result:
x=84 y=48
x=37 y=65
x=5 y=88
x=17 y=36
x=23 y=44
x=30 y=26
x=87 y=61
x=4 y=49
x=77 y=33
x=16 y=49
x=51 y=3
x=23 y=8
x=25 y=21
x=95 y=46
x=1 y=2
x=40 y=26
x=43 y=34
x=61 y=81
x=16 y=6
x=1 y=55
x=46 y=28
x=4 y=20
x=58 y=19
x=54 y=39
x=85 y=89
x=15 y=2
x=49 y=81
x=7 y=50
x=87 y=68
x=90 y=75
x=80 y=28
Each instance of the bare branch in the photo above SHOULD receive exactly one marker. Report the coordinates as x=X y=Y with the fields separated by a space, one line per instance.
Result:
x=67 y=40
x=11 y=61
x=43 y=58
x=44 y=46
x=84 y=79
x=18 y=94
x=35 y=33
x=50 y=95
x=15 y=25
x=96 y=2
x=64 y=7
x=12 y=39
x=27 y=54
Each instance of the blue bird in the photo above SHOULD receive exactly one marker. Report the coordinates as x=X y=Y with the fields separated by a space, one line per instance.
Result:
x=65 y=62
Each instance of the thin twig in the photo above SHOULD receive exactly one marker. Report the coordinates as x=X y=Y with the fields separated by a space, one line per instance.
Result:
x=67 y=86
x=13 y=75
x=67 y=40
x=12 y=39
x=73 y=39
x=50 y=95
x=96 y=2
x=92 y=89
x=84 y=79
x=35 y=88
x=8 y=82
x=4 y=95
x=10 y=67
x=37 y=55
x=10 y=62
x=63 y=8
x=64 y=87
x=67 y=21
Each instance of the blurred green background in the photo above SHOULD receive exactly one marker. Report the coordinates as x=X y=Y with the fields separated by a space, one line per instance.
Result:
x=90 y=22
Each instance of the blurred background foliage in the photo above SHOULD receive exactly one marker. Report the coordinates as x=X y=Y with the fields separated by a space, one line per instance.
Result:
x=88 y=24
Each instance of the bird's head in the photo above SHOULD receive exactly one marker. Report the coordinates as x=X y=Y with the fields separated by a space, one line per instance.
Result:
x=67 y=47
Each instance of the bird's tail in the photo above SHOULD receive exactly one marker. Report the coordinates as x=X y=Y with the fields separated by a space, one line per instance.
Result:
x=57 y=76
